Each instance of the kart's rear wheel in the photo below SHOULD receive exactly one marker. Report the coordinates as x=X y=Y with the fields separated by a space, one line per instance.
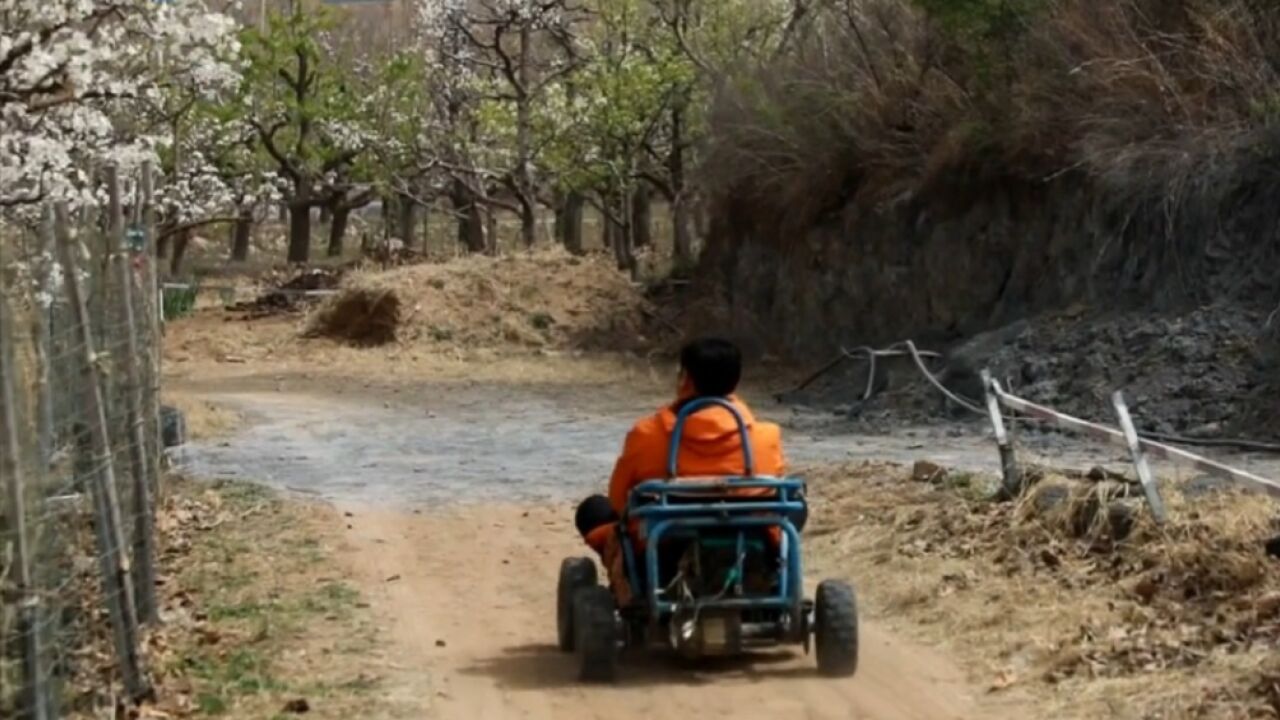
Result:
x=575 y=574
x=596 y=627
x=835 y=629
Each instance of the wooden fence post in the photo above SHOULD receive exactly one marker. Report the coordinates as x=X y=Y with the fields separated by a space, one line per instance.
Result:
x=1011 y=485
x=112 y=553
x=153 y=308
x=144 y=574
x=34 y=700
x=1139 y=458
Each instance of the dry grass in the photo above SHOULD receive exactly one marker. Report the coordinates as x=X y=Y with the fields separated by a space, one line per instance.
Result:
x=1170 y=622
x=472 y=319
x=1156 y=99
x=361 y=315
x=204 y=420
x=539 y=299
x=213 y=348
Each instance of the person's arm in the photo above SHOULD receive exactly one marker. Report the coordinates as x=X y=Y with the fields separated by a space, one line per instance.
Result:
x=623 y=478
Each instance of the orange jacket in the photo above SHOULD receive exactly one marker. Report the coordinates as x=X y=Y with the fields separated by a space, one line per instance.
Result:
x=709 y=446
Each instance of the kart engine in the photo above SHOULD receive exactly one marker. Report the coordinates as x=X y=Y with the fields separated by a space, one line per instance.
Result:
x=707 y=573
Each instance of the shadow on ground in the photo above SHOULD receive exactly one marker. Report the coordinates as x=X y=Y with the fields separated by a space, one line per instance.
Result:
x=543 y=667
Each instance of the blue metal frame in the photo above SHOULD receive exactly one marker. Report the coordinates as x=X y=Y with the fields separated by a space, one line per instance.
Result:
x=693 y=406
x=664 y=507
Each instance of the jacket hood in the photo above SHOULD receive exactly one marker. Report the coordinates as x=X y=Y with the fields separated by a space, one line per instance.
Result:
x=712 y=431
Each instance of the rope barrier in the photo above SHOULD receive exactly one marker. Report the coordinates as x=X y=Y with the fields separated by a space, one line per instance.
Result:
x=907 y=348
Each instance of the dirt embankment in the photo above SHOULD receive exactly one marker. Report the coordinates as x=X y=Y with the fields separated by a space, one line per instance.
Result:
x=1200 y=374
x=471 y=318
x=532 y=300
x=1171 y=301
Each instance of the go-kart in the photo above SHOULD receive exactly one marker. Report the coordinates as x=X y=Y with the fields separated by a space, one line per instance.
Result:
x=720 y=573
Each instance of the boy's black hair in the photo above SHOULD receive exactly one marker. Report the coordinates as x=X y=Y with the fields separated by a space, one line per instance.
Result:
x=713 y=365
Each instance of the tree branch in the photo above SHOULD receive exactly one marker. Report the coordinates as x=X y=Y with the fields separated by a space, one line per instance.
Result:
x=194 y=225
x=268 y=137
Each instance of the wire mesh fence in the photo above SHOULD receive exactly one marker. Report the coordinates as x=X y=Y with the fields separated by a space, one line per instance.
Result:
x=80 y=454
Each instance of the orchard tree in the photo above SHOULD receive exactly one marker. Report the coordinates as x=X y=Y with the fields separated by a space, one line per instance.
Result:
x=222 y=147
x=396 y=106
x=447 y=144
x=517 y=50
x=80 y=80
x=305 y=114
x=724 y=43
x=615 y=108
x=195 y=190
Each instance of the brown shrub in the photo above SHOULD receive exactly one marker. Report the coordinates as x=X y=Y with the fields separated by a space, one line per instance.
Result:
x=365 y=316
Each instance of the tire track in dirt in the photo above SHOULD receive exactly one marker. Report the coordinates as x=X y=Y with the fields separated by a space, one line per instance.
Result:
x=467 y=601
x=464 y=587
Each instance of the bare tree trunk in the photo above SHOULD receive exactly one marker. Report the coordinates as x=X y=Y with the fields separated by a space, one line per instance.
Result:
x=326 y=214
x=242 y=236
x=626 y=231
x=608 y=228
x=470 y=222
x=475 y=230
x=408 y=220
x=524 y=129
x=388 y=201
x=426 y=228
x=641 y=216
x=682 y=240
x=180 y=243
x=491 y=242
x=162 y=246
x=341 y=216
x=569 y=223
x=299 y=231
x=528 y=221
x=623 y=248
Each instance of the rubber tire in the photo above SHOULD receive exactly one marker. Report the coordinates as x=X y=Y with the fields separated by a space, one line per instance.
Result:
x=596 y=631
x=835 y=629
x=575 y=574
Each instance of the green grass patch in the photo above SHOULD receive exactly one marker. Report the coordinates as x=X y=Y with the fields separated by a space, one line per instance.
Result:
x=261 y=576
x=240 y=673
x=332 y=598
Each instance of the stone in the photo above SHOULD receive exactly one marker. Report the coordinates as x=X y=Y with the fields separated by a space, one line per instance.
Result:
x=925 y=471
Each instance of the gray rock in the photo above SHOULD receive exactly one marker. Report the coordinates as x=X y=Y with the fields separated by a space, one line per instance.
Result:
x=1049 y=497
x=1203 y=485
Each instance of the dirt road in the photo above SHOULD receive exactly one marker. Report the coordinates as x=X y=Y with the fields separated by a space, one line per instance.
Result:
x=458 y=505
x=469 y=599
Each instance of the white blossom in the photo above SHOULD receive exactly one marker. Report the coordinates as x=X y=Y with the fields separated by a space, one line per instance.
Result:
x=84 y=81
